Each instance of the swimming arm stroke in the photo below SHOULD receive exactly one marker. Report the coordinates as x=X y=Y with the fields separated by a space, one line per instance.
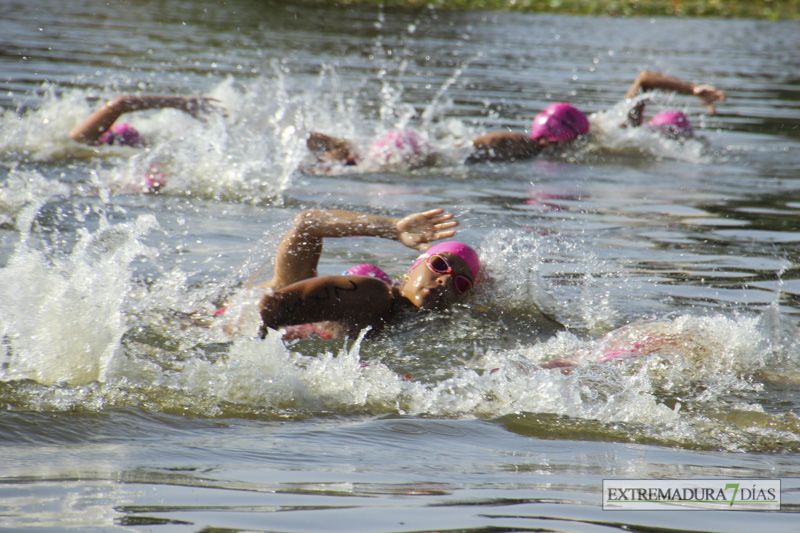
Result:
x=299 y=252
x=90 y=130
x=650 y=80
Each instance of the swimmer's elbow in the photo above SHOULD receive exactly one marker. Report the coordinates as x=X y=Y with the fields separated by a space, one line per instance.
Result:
x=308 y=220
x=77 y=135
x=273 y=310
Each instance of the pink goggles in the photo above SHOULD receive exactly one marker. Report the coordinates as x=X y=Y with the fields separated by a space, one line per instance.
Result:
x=440 y=265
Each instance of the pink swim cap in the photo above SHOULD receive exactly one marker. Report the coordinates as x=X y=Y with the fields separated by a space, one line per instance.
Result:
x=369 y=270
x=559 y=122
x=672 y=123
x=399 y=147
x=123 y=134
x=467 y=253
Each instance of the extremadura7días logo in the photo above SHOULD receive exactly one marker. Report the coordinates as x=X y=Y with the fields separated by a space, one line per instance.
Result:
x=697 y=494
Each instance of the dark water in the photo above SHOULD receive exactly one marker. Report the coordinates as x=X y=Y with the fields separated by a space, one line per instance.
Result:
x=119 y=413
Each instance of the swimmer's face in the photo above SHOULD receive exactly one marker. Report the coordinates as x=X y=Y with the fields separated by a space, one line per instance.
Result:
x=437 y=281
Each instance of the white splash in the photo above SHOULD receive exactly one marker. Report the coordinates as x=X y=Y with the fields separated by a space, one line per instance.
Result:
x=608 y=137
x=27 y=187
x=62 y=316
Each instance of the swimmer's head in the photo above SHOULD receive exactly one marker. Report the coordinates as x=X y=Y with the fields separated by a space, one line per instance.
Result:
x=559 y=122
x=121 y=134
x=369 y=270
x=441 y=276
x=405 y=147
x=672 y=123
x=465 y=252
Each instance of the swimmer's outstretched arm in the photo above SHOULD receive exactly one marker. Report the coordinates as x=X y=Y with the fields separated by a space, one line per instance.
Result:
x=90 y=130
x=300 y=250
x=503 y=146
x=650 y=80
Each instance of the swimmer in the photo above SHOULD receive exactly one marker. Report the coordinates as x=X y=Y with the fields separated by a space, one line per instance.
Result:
x=397 y=148
x=673 y=124
x=343 y=305
x=558 y=125
x=561 y=123
x=101 y=127
x=650 y=80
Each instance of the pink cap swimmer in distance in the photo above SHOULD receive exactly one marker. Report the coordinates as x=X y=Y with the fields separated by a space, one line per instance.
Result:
x=399 y=146
x=121 y=133
x=672 y=123
x=559 y=122
x=467 y=253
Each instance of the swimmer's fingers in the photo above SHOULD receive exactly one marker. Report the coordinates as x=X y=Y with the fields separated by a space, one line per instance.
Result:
x=420 y=222
x=428 y=221
x=435 y=237
x=213 y=105
x=199 y=107
x=434 y=214
x=438 y=218
x=418 y=229
x=445 y=218
x=709 y=92
x=439 y=235
x=708 y=95
x=446 y=225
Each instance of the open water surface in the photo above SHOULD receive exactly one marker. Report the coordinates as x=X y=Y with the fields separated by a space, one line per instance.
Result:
x=120 y=412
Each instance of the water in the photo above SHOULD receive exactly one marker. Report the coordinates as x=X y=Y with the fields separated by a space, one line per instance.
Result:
x=119 y=412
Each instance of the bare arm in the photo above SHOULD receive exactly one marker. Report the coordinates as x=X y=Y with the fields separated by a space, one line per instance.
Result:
x=650 y=80
x=299 y=251
x=90 y=130
x=503 y=146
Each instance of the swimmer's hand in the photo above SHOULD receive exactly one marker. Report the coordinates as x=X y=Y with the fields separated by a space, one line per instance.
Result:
x=419 y=229
x=708 y=95
x=200 y=106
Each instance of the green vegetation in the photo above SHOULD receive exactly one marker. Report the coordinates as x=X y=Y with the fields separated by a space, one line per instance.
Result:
x=758 y=9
